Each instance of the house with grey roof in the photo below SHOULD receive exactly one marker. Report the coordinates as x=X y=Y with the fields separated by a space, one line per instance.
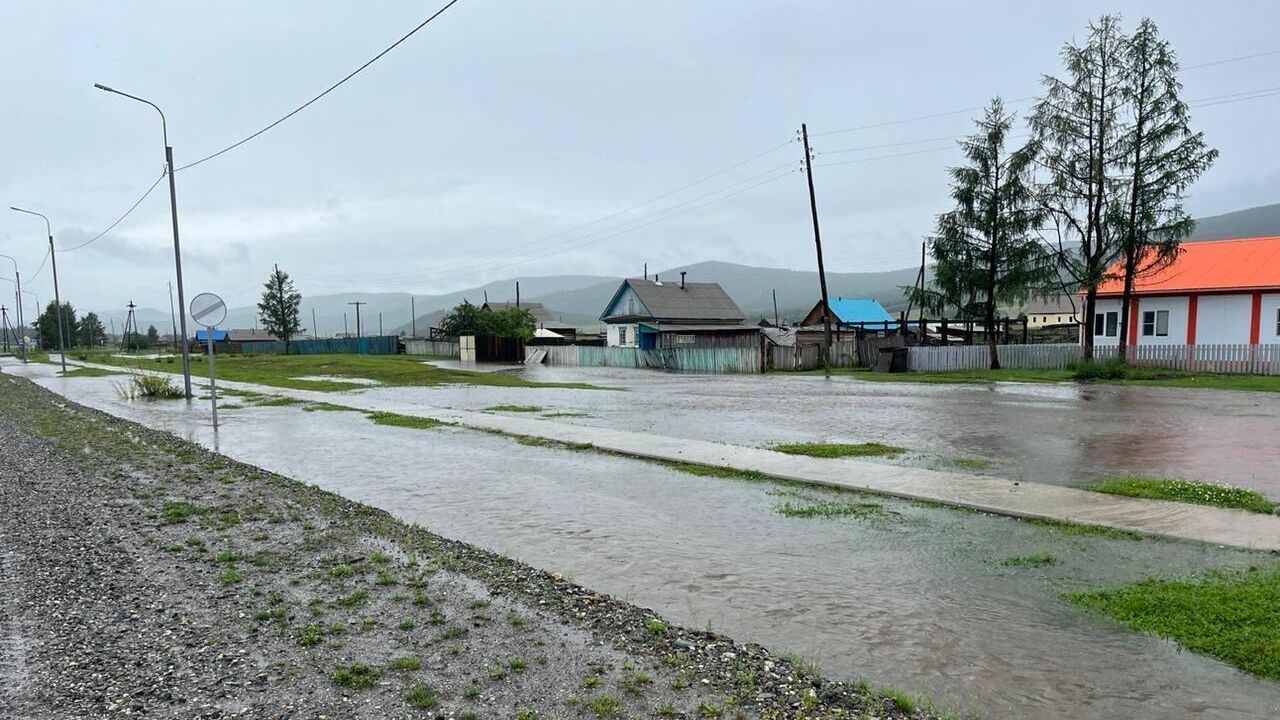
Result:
x=658 y=315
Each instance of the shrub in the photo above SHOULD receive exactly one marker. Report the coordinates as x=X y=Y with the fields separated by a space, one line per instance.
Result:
x=149 y=387
x=356 y=676
x=1086 y=370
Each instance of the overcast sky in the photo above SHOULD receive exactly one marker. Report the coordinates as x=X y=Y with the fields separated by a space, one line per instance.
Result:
x=475 y=150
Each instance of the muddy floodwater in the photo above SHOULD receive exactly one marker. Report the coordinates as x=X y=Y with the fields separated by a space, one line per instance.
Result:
x=1061 y=433
x=915 y=597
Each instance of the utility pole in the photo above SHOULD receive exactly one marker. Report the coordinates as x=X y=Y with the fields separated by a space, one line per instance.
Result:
x=173 y=317
x=345 y=332
x=357 y=304
x=17 y=303
x=379 y=324
x=57 y=298
x=413 y=318
x=4 y=326
x=517 y=293
x=817 y=241
x=173 y=214
x=315 y=329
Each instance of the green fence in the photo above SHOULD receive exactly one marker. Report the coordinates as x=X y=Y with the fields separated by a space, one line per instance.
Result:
x=378 y=345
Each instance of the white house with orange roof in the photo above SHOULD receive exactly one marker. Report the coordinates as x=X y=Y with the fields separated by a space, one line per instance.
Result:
x=1215 y=292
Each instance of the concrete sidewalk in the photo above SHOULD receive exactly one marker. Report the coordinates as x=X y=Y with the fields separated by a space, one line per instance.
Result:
x=1218 y=526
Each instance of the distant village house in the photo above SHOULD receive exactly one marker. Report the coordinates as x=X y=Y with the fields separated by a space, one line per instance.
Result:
x=658 y=315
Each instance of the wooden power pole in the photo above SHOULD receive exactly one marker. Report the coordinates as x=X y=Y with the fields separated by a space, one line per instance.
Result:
x=817 y=242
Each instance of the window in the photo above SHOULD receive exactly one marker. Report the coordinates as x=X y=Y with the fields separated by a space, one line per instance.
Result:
x=622 y=334
x=1155 y=323
x=686 y=339
x=1107 y=324
x=1277 y=322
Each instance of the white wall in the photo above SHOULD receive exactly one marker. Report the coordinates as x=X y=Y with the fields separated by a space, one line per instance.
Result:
x=611 y=334
x=1106 y=306
x=1223 y=319
x=1177 y=307
x=1267 y=332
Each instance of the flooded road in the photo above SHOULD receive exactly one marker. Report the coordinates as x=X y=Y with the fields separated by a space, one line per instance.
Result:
x=916 y=598
x=1060 y=433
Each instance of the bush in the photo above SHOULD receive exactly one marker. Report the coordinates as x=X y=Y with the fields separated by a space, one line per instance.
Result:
x=1086 y=370
x=149 y=387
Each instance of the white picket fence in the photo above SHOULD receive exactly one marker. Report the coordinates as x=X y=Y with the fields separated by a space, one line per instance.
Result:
x=1231 y=358
x=439 y=348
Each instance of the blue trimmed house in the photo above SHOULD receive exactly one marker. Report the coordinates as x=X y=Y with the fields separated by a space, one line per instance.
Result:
x=653 y=315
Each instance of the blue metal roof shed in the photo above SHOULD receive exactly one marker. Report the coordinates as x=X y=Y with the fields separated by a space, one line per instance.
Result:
x=218 y=335
x=859 y=310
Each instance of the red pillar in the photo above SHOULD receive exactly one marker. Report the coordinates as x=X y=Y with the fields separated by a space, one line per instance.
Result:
x=1193 y=305
x=1133 y=321
x=1255 y=322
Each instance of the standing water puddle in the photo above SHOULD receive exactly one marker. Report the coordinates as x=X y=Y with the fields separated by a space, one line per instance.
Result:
x=915 y=598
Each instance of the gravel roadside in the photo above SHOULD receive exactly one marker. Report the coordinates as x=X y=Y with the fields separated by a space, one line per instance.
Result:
x=142 y=576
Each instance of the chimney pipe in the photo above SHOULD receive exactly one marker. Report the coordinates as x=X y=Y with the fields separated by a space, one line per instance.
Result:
x=682 y=272
x=517 y=293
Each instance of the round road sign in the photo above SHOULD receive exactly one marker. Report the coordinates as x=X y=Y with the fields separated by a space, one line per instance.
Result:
x=208 y=309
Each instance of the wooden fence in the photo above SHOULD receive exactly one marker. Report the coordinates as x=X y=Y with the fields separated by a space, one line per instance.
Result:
x=375 y=345
x=1235 y=359
x=693 y=360
x=439 y=348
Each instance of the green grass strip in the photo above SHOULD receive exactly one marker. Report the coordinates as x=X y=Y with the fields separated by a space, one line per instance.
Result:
x=1234 y=617
x=1188 y=491
x=839 y=450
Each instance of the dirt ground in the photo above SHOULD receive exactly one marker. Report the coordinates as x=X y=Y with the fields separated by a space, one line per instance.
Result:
x=142 y=576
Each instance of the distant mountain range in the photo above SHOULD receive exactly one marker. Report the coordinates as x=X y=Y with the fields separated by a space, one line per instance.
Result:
x=579 y=299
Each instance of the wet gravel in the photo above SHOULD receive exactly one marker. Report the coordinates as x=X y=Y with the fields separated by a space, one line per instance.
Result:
x=142 y=576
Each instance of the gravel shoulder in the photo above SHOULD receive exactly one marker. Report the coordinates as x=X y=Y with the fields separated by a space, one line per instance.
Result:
x=142 y=576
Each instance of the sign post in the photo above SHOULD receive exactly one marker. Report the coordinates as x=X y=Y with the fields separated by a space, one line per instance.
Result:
x=208 y=310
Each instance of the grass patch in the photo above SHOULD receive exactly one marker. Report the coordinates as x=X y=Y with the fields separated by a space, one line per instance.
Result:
x=839 y=450
x=830 y=509
x=1188 y=491
x=714 y=471
x=1234 y=617
x=176 y=512
x=405 y=663
x=86 y=372
x=543 y=442
x=279 y=402
x=328 y=407
x=421 y=696
x=1037 y=560
x=565 y=415
x=1070 y=528
x=145 y=386
x=514 y=408
x=605 y=706
x=356 y=676
x=284 y=370
x=405 y=421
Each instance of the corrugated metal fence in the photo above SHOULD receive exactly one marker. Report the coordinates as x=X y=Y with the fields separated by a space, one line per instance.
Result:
x=377 y=345
x=1239 y=358
x=439 y=348
x=694 y=360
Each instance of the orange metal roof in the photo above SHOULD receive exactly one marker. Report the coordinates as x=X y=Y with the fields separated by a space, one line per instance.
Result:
x=1243 y=264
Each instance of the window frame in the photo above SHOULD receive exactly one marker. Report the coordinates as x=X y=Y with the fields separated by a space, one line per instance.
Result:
x=1112 y=323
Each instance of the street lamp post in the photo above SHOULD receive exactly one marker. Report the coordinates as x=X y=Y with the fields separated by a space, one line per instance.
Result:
x=177 y=248
x=17 y=294
x=57 y=298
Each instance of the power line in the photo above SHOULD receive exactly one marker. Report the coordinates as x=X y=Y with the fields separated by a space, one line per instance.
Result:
x=43 y=262
x=120 y=219
x=1238 y=58
x=330 y=89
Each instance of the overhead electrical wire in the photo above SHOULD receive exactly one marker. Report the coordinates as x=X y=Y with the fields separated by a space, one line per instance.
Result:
x=119 y=220
x=328 y=90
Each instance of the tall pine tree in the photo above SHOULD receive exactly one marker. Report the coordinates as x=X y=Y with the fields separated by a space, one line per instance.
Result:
x=280 y=307
x=986 y=250
x=1076 y=124
x=1162 y=157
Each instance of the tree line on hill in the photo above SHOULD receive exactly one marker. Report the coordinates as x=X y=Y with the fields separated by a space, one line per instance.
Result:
x=1098 y=185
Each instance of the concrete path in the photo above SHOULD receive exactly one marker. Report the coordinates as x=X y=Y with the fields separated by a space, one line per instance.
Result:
x=1218 y=526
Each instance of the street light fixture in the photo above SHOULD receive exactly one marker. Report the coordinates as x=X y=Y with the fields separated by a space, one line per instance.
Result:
x=57 y=298
x=173 y=211
x=17 y=295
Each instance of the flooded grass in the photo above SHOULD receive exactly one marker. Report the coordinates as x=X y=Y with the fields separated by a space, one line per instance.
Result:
x=830 y=509
x=87 y=372
x=281 y=401
x=543 y=442
x=514 y=408
x=839 y=450
x=565 y=415
x=1234 y=617
x=1188 y=491
x=286 y=370
x=1065 y=527
x=715 y=471
x=1037 y=560
x=405 y=421
x=329 y=407
x=969 y=463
